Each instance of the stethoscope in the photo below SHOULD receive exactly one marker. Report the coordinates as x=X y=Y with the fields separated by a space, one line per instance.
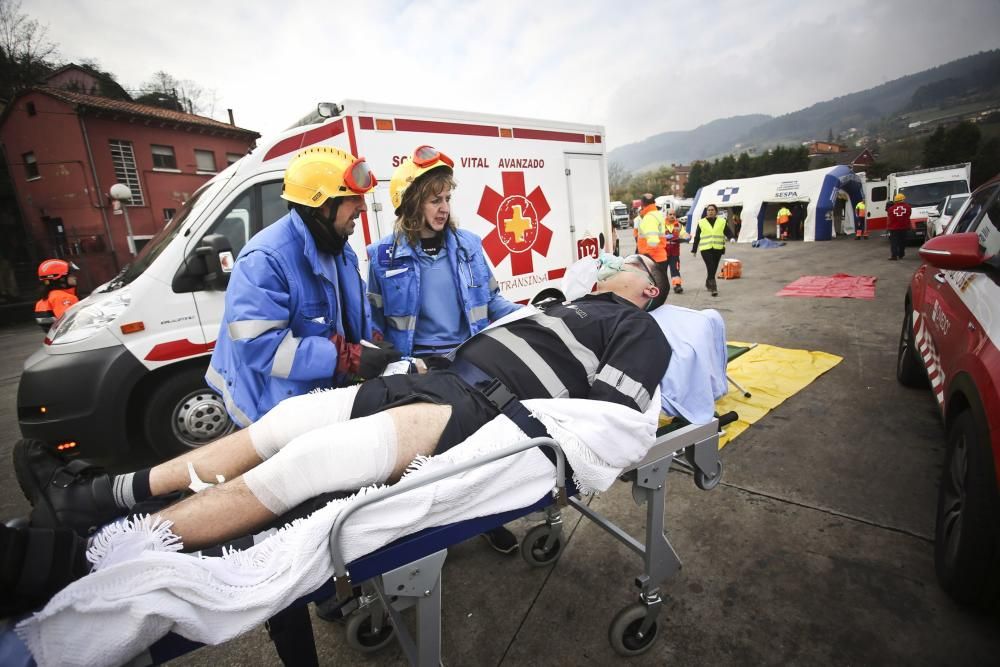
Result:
x=463 y=256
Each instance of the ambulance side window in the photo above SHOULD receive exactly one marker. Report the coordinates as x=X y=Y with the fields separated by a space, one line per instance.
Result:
x=234 y=224
x=272 y=206
x=880 y=193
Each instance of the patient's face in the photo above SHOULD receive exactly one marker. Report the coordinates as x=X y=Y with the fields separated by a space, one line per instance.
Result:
x=631 y=283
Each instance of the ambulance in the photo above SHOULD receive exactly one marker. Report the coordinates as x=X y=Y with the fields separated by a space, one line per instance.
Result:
x=926 y=189
x=122 y=373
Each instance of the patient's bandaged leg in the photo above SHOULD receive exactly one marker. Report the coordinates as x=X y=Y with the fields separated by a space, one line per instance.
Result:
x=335 y=457
x=299 y=415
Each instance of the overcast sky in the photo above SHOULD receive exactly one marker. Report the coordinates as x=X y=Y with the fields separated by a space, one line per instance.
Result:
x=636 y=67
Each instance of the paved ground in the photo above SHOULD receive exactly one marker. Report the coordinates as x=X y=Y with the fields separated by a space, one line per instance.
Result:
x=815 y=549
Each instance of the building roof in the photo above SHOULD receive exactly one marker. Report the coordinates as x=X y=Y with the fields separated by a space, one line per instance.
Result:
x=84 y=102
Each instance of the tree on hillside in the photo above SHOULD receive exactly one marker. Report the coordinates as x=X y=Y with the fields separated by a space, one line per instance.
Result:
x=618 y=176
x=952 y=146
x=986 y=164
x=166 y=91
x=26 y=53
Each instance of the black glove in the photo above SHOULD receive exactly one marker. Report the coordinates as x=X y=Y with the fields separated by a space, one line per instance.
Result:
x=375 y=359
x=437 y=362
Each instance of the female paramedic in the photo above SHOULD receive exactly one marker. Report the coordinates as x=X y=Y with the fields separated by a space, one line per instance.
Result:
x=711 y=234
x=429 y=285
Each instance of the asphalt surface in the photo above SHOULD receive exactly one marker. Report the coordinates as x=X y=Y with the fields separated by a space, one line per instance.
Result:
x=817 y=547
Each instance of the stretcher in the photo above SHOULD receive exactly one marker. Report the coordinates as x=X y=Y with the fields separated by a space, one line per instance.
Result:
x=379 y=587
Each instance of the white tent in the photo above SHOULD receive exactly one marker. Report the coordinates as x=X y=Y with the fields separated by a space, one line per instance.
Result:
x=826 y=193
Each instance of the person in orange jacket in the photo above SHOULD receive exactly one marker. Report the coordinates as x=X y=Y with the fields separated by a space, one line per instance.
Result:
x=651 y=240
x=58 y=291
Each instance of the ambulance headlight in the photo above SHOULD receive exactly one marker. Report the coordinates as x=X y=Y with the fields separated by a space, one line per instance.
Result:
x=87 y=319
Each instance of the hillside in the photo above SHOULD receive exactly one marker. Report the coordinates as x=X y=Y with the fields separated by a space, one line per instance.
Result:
x=969 y=83
x=712 y=138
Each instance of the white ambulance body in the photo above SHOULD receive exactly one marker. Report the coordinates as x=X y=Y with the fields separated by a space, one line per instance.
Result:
x=131 y=357
x=926 y=189
x=876 y=200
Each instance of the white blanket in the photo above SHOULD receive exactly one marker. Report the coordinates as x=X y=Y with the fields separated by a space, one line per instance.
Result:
x=143 y=588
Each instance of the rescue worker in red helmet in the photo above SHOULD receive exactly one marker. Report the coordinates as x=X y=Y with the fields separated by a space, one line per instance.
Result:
x=58 y=291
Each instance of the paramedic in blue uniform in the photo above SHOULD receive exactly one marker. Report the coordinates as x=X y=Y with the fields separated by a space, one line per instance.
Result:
x=295 y=317
x=429 y=284
x=295 y=311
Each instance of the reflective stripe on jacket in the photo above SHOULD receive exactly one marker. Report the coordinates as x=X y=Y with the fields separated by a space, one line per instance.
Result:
x=650 y=241
x=283 y=304
x=394 y=286
x=712 y=237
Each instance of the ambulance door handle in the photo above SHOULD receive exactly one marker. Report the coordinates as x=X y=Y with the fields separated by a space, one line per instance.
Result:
x=939 y=276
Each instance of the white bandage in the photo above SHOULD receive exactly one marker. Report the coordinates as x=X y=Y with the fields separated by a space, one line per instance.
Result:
x=299 y=415
x=336 y=457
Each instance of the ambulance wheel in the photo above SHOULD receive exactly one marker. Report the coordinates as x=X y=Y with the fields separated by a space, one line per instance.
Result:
x=708 y=482
x=182 y=413
x=623 y=634
x=909 y=369
x=360 y=636
x=533 y=549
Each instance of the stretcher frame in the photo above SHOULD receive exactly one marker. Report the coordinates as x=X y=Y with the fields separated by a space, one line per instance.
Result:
x=417 y=583
x=406 y=574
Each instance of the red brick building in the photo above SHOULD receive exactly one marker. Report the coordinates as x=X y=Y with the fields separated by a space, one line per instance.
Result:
x=679 y=180
x=65 y=150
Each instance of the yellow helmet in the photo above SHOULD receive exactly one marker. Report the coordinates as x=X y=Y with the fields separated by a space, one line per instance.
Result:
x=899 y=197
x=424 y=159
x=319 y=173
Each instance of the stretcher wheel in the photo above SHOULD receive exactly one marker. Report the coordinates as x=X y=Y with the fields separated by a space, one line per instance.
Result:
x=533 y=549
x=706 y=482
x=624 y=631
x=360 y=636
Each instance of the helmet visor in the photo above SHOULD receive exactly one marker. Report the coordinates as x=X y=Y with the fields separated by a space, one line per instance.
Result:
x=425 y=156
x=359 y=177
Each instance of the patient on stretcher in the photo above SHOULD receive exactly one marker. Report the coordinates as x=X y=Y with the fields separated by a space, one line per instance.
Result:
x=602 y=349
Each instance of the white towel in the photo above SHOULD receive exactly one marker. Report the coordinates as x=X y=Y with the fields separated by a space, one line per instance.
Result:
x=142 y=588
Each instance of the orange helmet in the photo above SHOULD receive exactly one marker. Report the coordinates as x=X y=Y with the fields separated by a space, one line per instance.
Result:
x=53 y=269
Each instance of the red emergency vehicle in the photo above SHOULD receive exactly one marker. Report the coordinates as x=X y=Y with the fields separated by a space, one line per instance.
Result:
x=951 y=339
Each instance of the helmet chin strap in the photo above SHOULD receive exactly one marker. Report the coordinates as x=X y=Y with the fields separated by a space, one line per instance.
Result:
x=321 y=228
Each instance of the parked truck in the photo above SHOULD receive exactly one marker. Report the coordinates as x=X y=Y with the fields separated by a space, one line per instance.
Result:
x=926 y=190
x=619 y=216
x=124 y=369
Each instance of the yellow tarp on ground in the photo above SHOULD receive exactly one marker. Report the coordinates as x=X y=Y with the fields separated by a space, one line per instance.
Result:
x=771 y=374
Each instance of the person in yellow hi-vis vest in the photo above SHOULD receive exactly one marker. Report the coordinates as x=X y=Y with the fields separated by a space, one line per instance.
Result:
x=711 y=234
x=784 y=215
x=860 y=221
x=650 y=240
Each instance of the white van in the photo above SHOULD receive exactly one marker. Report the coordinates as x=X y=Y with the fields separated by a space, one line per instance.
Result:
x=124 y=369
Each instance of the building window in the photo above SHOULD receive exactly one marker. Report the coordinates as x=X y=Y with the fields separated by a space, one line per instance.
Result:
x=125 y=170
x=232 y=157
x=168 y=214
x=30 y=166
x=163 y=157
x=205 y=161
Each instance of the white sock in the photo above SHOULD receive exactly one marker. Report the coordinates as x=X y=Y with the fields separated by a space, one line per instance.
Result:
x=299 y=415
x=336 y=457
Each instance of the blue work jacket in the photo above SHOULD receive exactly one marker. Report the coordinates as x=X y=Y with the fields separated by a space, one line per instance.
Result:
x=394 y=286
x=283 y=304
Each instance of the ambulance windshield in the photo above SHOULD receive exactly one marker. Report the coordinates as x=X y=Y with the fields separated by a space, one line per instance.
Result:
x=158 y=243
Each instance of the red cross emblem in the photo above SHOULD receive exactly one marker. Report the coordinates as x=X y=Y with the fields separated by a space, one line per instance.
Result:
x=516 y=219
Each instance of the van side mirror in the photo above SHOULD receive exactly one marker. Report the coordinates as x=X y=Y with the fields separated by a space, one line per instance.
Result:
x=208 y=267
